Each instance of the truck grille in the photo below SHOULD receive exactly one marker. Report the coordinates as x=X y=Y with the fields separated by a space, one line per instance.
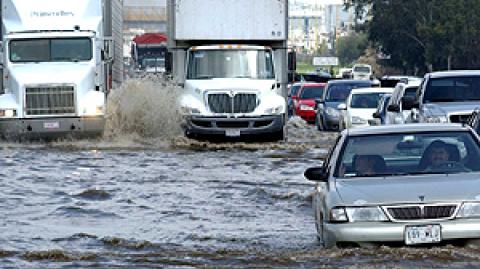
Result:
x=49 y=100
x=239 y=103
x=422 y=212
x=460 y=118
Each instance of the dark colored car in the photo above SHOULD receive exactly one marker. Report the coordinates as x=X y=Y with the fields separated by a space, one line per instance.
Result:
x=474 y=120
x=336 y=92
x=305 y=101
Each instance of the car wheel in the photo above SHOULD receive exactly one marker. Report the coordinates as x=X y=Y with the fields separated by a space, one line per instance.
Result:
x=323 y=238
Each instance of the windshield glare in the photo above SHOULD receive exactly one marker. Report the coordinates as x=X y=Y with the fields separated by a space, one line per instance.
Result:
x=454 y=89
x=207 y=64
x=51 y=50
x=403 y=154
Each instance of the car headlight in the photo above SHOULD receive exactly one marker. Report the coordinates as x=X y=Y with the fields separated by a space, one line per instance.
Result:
x=8 y=113
x=469 y=210
x=332 y=112
x=338 y=214
x=184 y=110
x=358 y=120
x=274 y=110
x=365 y=214
x=436 y=119
x=306 y=107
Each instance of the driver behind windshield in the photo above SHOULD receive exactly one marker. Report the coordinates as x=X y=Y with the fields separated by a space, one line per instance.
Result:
x=438 y=155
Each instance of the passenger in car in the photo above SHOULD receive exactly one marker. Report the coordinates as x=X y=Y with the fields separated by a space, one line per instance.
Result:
x=438 y=153
x=366 y=165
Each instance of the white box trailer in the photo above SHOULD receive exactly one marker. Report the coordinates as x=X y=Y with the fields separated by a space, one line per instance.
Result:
x=60 y=59
x=231 y=58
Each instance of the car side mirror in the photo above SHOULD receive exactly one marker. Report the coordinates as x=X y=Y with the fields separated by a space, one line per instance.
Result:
x=393 y=108
x=407 y=103
x=318 y=174
x=376 y=115
x=342 y=106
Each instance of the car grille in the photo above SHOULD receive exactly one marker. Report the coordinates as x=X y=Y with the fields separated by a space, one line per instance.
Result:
x=238 y=103
x=460 y=118
x=49 y=100
x=422 y=212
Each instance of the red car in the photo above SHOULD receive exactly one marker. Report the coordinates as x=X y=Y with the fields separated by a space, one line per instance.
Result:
x=305 y=101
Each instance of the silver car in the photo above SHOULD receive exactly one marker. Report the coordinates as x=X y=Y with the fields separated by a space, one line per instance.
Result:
x=410 y=184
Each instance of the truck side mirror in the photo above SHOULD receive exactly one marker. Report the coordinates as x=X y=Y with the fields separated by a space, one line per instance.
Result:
x=292 y=60
x=168 y=62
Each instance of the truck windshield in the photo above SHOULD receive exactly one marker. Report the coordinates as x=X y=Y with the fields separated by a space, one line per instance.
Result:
x=453 y=89
x=361 y=69
x=51 y=50
x=207 y=64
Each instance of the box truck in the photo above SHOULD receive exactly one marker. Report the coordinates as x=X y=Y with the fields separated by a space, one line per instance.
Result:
x=60 y=59
x=230 y=57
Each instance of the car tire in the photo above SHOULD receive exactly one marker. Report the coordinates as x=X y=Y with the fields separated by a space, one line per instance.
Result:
x=323 y=238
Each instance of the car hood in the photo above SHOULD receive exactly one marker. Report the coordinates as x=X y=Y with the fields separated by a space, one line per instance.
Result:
x=409 y=189
x=450 y=108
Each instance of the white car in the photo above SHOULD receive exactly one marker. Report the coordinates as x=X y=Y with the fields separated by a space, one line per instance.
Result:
x=360 y=106
x=397 y=110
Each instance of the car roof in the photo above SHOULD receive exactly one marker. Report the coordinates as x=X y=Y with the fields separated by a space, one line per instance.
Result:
x=407 y=128
x=349 y=81
x=455 y=73
x=313 y=84
x=372 y=90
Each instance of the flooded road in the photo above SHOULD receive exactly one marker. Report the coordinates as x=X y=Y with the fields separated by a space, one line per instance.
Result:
x=153 y=199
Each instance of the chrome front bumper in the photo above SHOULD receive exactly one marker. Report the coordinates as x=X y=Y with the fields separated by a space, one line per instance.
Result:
x=394 y=231
x=245 y=125
x=51 y=128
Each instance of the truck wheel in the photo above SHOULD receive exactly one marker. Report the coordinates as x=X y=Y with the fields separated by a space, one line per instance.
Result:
x=278 y=136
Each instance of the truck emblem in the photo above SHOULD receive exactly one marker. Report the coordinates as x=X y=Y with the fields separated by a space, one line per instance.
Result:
x=231 y=94
x=421 y=197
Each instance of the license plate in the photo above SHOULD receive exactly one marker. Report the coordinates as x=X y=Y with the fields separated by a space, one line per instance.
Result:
x=232 y=132
x=51 y=125
x=423 y=234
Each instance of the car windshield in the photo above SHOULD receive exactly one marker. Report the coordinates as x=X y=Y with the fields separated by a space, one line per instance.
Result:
x=409 y=154
x=410 y=92
x=361 y=69
x=452 y=89
x=365 y=100
x=51 y=50
x=340 y=92
x=312 y=92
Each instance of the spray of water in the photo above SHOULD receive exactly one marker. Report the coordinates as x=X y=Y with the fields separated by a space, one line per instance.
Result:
x=146 y=107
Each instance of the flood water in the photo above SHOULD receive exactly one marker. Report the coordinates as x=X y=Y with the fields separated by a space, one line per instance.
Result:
x=143 y=196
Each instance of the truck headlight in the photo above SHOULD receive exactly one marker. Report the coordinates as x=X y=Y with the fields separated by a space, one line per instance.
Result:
x=184 y=110
x=469 y=210
x=306 y=107
x=355 y=214
x=332 y=112
x=358 y=120
x=8 y=113
x=274 y=110
x=436 y=119
x=338 y=214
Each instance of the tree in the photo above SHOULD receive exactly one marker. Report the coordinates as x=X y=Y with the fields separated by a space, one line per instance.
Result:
x=351 y=47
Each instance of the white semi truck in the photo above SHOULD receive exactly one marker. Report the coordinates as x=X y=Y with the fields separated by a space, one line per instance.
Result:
x=230 y=57
x=60 y=59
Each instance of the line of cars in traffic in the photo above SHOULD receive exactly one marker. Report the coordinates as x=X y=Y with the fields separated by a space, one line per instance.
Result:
x=414 y=179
